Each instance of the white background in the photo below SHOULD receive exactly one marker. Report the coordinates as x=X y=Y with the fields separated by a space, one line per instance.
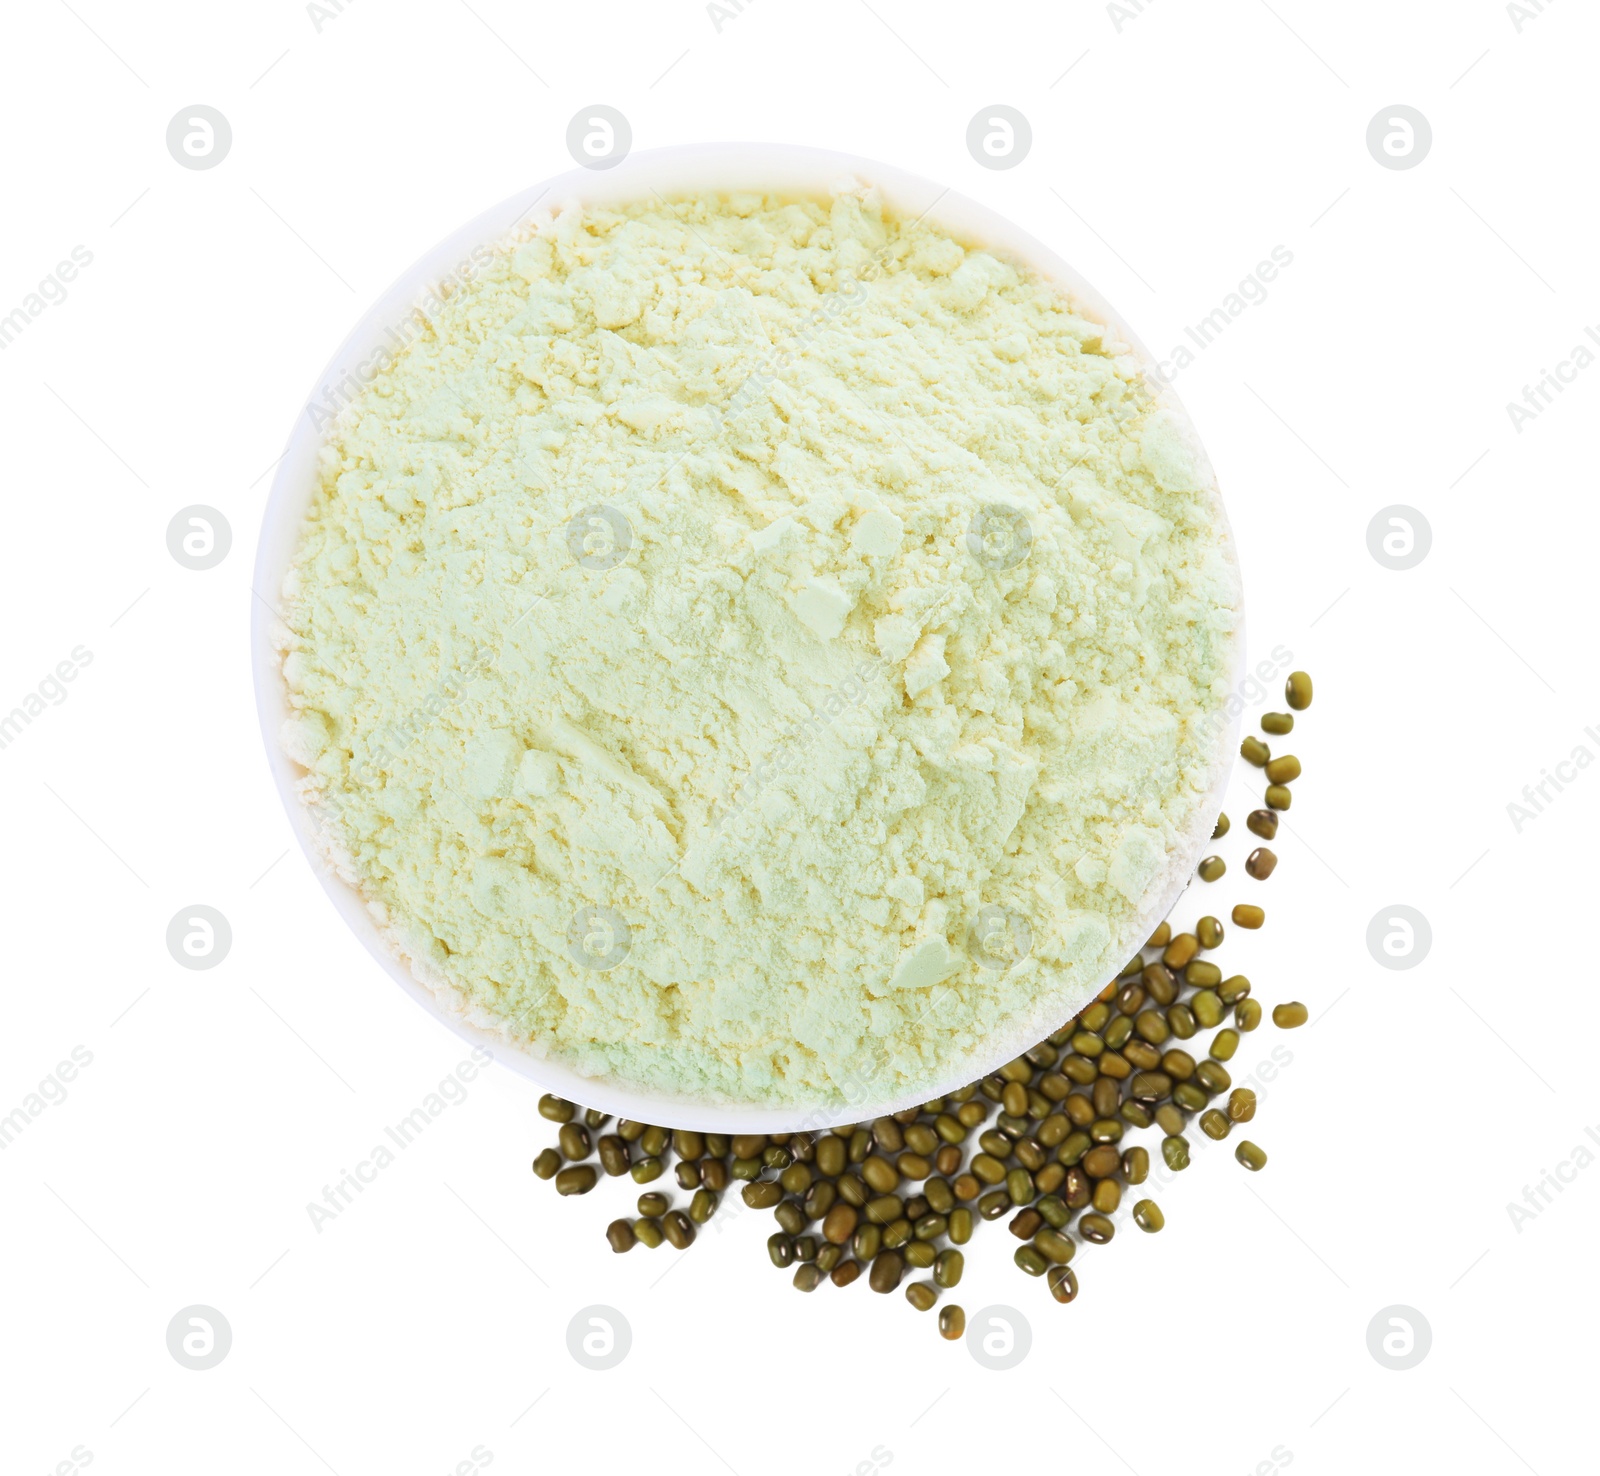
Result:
x=1172 y=151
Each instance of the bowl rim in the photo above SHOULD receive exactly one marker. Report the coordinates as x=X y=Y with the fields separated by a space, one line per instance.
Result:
x=787 y=170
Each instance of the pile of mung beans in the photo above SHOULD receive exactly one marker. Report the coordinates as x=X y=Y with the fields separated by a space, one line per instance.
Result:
x=900 y=1195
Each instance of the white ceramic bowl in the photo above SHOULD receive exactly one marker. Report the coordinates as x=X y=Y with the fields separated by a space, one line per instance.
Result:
x=778 y=168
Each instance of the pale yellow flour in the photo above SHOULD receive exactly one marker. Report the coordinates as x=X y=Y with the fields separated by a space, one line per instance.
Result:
x=759 y=649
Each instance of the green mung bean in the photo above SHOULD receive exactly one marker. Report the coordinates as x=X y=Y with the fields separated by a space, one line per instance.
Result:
x=887 y=1269
x=556 y=1109
x=579 y=1179
x=1213 y=1076
x=880 y=1175
x=1096 y=1228
x=1215 y=1124
x=1148 y=1217
x=1055 y=1247
x=1030 y=1260
x=573 y=1140
x=759 y=1194
x=1284 y=770
x=1263 y=823
x=1063 y=1283
x=1261 y=863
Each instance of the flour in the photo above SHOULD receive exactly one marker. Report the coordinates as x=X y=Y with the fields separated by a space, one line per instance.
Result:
x=722 y=726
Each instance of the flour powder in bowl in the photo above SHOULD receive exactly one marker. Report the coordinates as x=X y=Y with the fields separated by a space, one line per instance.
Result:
x=759 y=649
